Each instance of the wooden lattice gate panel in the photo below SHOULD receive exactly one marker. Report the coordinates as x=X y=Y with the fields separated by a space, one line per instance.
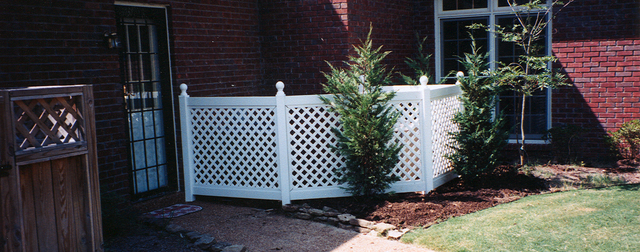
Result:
x=49 y=187
x=45 y=122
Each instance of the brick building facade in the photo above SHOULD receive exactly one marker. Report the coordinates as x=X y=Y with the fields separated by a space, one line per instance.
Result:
x=242 y=47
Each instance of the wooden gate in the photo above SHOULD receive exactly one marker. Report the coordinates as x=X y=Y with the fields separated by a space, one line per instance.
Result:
x=49 y=191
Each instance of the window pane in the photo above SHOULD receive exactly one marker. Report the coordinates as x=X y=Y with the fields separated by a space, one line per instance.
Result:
x=449 y=5
x=456 y=41
x=508 y=51
x=535 y=121
x=503 y=3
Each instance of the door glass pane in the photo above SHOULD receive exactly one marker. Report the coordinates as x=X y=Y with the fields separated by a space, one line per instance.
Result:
x=151 y=152
x=162 y=176
x=160 y=151
x=141 y=181
x=149 y=124
x=144 y=38
x=132 y=38
x=155 y=95
x=139 y=155
x=136 y=125
x=152 y=176
x=145 y=65
x=158 y=123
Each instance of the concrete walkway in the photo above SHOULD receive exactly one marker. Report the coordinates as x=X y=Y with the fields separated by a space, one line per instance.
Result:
x=260 y=230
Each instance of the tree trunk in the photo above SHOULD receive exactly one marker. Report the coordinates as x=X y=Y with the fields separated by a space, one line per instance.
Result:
x=521 y=151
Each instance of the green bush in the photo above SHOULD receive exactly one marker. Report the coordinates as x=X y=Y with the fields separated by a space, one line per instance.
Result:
x=626 y=141
x=481 y=137
x=420 y=66
x=366 y=120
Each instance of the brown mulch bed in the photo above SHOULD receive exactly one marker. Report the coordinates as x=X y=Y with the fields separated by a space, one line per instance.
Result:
x=452 y=199
x=456 y=198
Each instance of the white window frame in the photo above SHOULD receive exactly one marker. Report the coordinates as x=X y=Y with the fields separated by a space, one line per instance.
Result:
x=491 y=12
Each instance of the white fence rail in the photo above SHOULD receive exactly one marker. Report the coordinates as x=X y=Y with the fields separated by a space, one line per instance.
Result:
x=277 y=148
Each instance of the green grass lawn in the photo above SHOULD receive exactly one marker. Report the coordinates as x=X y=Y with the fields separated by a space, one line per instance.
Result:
x=606 y=219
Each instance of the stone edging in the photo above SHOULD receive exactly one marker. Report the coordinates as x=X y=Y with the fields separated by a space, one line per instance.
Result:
x=346 y=221
x=201 y=241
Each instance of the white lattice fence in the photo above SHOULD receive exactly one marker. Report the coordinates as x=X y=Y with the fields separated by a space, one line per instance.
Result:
x=312 y=160
x=408 y=134
x=444 y=105
x=233 y=145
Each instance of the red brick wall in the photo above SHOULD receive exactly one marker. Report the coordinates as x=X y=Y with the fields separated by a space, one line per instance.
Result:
x=61 y=43
x=298 y=37
x=216 y=46
x=393 y=28
x=597 y=43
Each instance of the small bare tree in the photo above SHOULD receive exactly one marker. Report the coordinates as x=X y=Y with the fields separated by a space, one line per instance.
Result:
x=532 y=71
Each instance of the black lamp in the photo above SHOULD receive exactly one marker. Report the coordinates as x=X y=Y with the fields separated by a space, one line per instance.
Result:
x=112 y=40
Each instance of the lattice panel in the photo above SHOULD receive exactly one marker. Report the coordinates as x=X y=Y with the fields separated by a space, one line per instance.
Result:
x=48 y=122
x=407 y=132
x=312 y=160
x=443 y=111
x=235 y=147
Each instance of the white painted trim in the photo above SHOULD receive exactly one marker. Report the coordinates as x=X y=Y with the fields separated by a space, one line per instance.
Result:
x=528 y=141
x=144 y=5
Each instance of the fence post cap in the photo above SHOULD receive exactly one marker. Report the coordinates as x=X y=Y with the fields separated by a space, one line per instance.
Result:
x=183 y=90
x=459 y=75
x=424 y=80
x=280 y=87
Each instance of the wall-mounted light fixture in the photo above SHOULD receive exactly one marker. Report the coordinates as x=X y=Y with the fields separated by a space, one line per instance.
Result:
x=111 y=40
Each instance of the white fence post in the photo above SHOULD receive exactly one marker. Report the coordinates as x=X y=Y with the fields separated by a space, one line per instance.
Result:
x=426 y=128
x=185 y=130
x=283 y=150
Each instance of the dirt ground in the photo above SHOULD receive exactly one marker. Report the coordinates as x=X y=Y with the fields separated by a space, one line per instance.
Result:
x=263 y=226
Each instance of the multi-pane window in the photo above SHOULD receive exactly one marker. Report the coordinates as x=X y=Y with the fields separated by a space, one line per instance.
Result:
x=452 y=21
